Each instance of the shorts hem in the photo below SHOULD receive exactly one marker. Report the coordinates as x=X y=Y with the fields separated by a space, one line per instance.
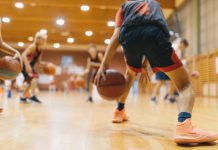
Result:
x=166 y=69
x=136 y=70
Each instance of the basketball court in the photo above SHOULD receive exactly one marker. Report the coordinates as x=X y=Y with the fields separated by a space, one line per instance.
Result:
x=69 y=112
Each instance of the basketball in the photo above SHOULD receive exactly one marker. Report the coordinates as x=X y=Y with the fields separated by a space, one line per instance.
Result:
x=113 y=86
x=9 y=68
x=80 y=82
x=49 y=69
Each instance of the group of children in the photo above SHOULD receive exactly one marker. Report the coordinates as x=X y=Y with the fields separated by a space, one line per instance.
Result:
x=143 y=32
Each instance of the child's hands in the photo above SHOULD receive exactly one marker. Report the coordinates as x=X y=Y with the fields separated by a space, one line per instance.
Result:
x=100 y=74
x=18 y=56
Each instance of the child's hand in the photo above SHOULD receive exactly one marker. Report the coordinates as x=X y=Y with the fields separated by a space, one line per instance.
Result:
x=100 y=74
x=18 y=56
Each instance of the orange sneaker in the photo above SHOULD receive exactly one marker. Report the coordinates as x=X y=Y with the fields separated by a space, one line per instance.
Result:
x=119 y=116
x=187 y=134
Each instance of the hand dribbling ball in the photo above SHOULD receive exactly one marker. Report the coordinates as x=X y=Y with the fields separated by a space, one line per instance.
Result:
x=9 y=68
x=113 y=87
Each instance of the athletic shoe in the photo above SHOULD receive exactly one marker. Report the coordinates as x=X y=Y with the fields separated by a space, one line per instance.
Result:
x=35 y=99
x=172 y=100
x=166 y=96
x=187 y=134
x=23 y=100
x=176 y=93
x=153 y=100
x=90 y=99
x=119 y=116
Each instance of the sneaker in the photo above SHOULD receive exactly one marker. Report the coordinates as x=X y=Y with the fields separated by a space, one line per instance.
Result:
x=90 y=99
x=153 y=100
x=166 y=96
x=23 y=100
x=172 y=100
x=35 y=99
x=119 y=116
x=176 y=93
x=187 y=134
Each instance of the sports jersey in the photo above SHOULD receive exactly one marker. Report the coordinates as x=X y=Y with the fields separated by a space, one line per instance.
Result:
x=139 y=12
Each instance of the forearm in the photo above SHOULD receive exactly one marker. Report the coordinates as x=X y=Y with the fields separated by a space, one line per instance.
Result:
x=8 y=49
x=110 y=51
x=25 y=60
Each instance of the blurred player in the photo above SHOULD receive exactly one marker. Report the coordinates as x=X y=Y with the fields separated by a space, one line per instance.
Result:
x=93 y=64
x=31 y=56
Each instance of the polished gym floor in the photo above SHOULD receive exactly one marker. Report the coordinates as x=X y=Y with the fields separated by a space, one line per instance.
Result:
x=68 y=122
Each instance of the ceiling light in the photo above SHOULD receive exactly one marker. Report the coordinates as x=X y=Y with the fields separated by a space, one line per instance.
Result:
x=88 y=33
x=19 y=5
x=60 y=22
x=107 y=41
x=6 y=19
x=70 y=40
x=85 y=8
x=43 y=31
x=111 y=23
x=56 y=45
x=20 y=44
x=30 y=38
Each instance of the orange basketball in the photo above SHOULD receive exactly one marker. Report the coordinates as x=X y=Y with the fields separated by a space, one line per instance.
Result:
x=49 y=69
x=9 y=68
x=80 y=82
x=113 y=87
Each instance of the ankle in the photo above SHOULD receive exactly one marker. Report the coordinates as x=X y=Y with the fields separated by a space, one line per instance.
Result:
x=183 y=116
x=120 y=106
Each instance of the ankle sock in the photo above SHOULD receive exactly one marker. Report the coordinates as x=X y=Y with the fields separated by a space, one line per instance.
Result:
x=183 y=116
x=120 y=106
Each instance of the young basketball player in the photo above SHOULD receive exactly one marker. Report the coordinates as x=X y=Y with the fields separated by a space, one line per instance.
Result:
x=162 y=78
x=31 y=56
x=5 y=48
x=142 y=30
x=93 y=63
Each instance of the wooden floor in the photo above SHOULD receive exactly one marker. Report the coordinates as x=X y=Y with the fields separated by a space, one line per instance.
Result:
x=68 y=122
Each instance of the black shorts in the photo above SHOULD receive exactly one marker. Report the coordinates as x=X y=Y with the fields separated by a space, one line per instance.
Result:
x=153 y=43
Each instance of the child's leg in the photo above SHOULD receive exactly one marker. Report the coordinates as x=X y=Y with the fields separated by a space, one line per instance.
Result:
x=130 y=78
x=181 y=80
x=90 y=89
x=171 y=91
x=185 y=132
x=120 y=115
x=157 y=89
x=33 y=91
x=33 y=86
